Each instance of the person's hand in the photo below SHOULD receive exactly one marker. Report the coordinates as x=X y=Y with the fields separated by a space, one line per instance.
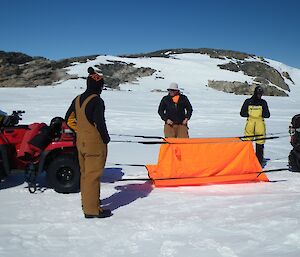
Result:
x=185 y=121
x=169 y=122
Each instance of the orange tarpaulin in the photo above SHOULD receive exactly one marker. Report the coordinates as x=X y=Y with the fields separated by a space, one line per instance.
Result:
x=198 y=161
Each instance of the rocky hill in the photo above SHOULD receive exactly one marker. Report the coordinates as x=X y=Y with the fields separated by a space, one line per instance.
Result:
x=265 y=75
x=21 y=70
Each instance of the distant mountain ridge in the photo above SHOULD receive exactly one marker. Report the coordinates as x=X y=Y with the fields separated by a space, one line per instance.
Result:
x=21 y=70
x=213 y=53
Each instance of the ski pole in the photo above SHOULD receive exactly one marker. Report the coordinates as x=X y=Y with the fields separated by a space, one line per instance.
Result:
x=158 y=137
x=126 y=164
x=271 y=170
x=138 y=142
x=140 y=136
x=262 y=138
x=192 y=143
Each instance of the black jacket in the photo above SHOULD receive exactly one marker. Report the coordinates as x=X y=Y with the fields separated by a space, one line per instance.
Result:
x=256 y=102
x=94 y=112
x=176 y=112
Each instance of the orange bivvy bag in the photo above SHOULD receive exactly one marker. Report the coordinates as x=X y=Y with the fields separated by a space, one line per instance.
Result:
x=200 y=161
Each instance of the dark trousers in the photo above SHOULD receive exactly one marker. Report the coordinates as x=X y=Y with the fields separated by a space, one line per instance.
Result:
x=260 y=153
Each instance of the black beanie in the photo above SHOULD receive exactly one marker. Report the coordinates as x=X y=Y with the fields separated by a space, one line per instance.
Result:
x=258 y=90
x=94 y=81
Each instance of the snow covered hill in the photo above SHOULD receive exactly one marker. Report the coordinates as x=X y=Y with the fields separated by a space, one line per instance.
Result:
x=224 y=70
x=241 y=220
x=196 y=70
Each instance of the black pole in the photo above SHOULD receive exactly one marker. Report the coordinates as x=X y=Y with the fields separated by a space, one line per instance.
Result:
x=148 y=179
x=213 y=142
x=140 y=136
x=158 y=137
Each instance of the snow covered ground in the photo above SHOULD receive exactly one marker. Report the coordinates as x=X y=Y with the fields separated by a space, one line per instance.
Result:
x=241 y=220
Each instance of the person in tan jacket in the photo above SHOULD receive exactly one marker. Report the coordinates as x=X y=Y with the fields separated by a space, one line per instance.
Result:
x=85 y=116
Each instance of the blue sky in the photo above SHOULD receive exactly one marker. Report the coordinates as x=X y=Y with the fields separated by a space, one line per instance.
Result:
x=63 y=28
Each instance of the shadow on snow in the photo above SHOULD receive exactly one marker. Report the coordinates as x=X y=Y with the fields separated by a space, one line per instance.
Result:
x=126 y=194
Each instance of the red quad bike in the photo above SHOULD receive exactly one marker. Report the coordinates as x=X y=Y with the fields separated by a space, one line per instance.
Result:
x=38 y=147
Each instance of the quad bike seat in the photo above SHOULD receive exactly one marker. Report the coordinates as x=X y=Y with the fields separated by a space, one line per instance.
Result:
x=28 y=151
x=38 y=137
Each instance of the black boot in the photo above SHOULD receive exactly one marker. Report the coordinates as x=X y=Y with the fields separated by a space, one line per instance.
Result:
x=104 y=213
x=2 y=172
x=260 y=153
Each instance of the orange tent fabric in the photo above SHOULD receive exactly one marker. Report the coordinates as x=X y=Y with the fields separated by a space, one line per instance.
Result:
x=199 y=161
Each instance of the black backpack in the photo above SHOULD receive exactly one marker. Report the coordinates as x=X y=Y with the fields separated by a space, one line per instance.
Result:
x=295 y=130
x=294 y=157
x=296 y=121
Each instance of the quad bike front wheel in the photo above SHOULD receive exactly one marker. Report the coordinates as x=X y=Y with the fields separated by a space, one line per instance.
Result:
x=63 y=174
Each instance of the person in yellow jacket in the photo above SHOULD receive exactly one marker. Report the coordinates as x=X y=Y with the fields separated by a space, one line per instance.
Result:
x=256 y=109
x=2 y=116
x=85 y=116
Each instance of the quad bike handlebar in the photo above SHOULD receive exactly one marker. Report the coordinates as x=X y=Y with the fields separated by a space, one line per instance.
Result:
x=13 y=119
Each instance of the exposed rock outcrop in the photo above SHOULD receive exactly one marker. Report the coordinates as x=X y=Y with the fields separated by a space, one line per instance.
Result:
x=21 y=70
x=118 y=72
x=243 y=88
x=260 y=71
x=287 y=76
